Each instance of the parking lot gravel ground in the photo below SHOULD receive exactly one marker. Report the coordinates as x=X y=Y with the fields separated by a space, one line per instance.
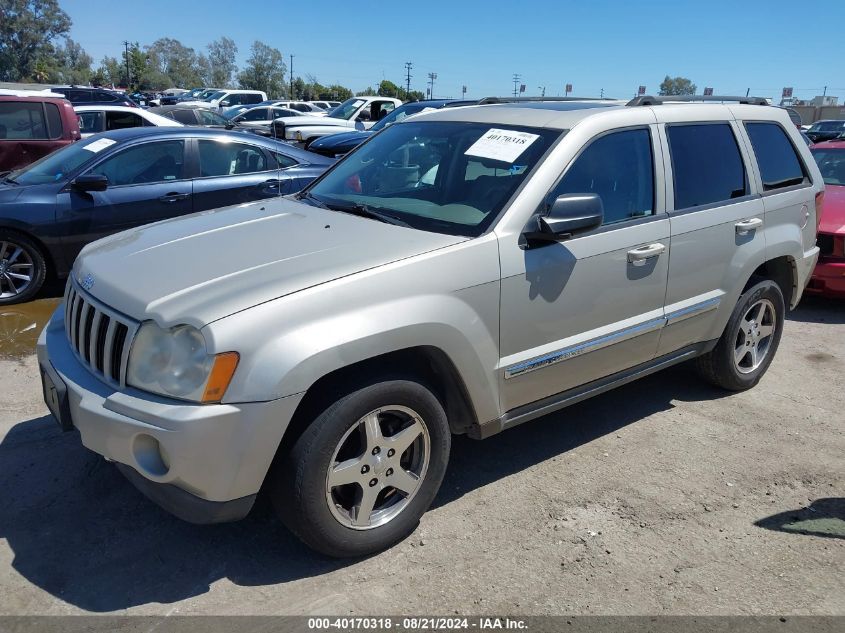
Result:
x=666 y=496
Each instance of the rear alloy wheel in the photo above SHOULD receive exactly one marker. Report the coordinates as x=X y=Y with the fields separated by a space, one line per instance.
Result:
x=365 y=470
x=748 y=345
x=22 y=268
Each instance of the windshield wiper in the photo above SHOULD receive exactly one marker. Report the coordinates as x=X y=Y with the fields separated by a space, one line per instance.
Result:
x=7 y=178
x=366 y=211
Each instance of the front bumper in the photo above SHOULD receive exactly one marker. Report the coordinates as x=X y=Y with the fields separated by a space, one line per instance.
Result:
x=828 y=279
x=203 y=463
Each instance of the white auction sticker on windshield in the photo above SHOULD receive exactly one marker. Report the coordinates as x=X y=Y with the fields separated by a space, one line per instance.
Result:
x=99 y=145
x=503 y=145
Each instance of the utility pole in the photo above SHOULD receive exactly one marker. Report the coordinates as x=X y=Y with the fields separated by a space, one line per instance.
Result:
x=291 y=76
x=542 y=91
x=408 y=67
x=431 y=77
x=126 y=56
x=516 y=80
x=602 y=93
x=464 y=91
x=824 y=94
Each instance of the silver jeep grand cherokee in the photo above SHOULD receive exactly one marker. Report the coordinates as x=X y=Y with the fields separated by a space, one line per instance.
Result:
x=463 y=271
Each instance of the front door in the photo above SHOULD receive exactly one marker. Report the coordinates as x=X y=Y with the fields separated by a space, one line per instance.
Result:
x=587 y=307
x=147 y=183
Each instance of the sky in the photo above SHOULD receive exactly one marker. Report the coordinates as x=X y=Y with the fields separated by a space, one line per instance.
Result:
x=609 y=45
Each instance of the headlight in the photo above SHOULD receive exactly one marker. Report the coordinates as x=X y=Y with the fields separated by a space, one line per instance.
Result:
x=298 y=136
x=175 y=363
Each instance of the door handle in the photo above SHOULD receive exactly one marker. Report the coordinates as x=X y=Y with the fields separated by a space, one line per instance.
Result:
x=746 y=226
x=638 y=256
x=173 y=197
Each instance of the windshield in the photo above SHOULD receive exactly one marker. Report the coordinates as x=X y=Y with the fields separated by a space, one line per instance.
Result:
x=448 y=177
x=214 y=95
x=346 y=109
x=58 y=165
x=400 y=113
x=832 y=165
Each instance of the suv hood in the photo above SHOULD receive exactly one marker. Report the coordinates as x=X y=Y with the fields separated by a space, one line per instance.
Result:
x=833 y=213
x=203 y=267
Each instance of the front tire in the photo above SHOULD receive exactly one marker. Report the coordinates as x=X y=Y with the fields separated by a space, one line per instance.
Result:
x=749 y=342
x=365 y=470
x=22 y=268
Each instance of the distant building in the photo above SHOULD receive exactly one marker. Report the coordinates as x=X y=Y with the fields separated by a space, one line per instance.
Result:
x=822 y=101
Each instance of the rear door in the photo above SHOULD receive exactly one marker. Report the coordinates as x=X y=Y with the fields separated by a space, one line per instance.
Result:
x=716 y=216
x=233 y=173
x=147 y=182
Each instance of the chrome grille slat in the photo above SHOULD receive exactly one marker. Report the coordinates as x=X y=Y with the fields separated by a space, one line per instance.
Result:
x=99 y=336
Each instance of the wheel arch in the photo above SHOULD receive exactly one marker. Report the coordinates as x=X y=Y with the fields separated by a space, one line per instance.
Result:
x=783 y=271
x=426 y=364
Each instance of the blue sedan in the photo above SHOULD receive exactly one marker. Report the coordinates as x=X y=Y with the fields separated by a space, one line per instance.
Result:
x=126 y=178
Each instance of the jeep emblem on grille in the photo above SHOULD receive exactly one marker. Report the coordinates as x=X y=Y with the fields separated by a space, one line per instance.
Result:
x=87 y=282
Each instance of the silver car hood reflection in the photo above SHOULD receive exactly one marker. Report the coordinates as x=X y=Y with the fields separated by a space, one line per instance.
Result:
x=203 y=267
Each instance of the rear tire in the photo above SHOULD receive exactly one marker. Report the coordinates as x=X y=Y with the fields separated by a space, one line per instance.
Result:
x=749 y=342
x=365 y=470
x=22 y=268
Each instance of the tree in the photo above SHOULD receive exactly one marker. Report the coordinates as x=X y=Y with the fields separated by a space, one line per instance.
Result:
x=221 y=62
x=388 y=89
x=179 y=63
x=677 y=86
x=73 y=64
x=265 y=70
x=28 y=29
x=336 y=92
x=110 y=72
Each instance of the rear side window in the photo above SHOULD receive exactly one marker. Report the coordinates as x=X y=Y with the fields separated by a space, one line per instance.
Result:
x=54 y=120
x=230 y=159
x=706 y=164
x=22 y=120
x=776 y=156
x=256 y=114
x=122 y=120
x=91 y=122
x=619 y=167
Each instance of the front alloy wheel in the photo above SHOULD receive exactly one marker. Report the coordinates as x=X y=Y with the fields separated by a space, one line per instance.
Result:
x=363 y=472
x=22 y=268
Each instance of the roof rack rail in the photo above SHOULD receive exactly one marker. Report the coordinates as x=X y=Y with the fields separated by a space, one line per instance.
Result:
x=648 y=100
x=488 y=100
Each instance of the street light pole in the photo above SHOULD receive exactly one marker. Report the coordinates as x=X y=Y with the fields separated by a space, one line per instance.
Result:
x=126 y=56
x=291 y=75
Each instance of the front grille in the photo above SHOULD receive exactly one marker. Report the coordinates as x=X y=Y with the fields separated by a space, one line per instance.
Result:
x=825 y=244
x=99 y=336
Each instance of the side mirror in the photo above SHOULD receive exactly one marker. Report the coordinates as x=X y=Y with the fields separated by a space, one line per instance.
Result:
x=569 y=215
x=224 y=104
x=91 y=182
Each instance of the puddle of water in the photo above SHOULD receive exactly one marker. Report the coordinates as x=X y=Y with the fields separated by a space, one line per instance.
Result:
x=21 y=324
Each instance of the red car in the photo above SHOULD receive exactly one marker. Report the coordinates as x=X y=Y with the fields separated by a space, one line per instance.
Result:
x=32 y=127
x=829 y=277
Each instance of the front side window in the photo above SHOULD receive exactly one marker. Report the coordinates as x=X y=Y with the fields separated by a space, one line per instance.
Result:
x=221 y=158
x=779 y=164
x=91 y=122
x=256 y=114
x=831 y=163
x=158 y=161
x=448 y=177
x=22 y=120
x=185 y=117
x=706 y=164
x=619 y=168
x=122 y=120
x=346 y=109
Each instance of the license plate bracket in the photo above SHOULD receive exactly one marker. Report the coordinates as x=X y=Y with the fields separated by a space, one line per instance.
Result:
x=55 y=397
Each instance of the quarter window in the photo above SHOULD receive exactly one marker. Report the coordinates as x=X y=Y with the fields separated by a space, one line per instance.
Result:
x=779 y=164
x=706 y=164
x=149 y=162
x=229 y=159
x=619 y=168
x=54 y=120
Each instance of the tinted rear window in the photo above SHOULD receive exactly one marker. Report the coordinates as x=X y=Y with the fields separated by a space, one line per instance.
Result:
x=22 y=120
x=54 y=120
x=706 y=164
x=776 y=156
